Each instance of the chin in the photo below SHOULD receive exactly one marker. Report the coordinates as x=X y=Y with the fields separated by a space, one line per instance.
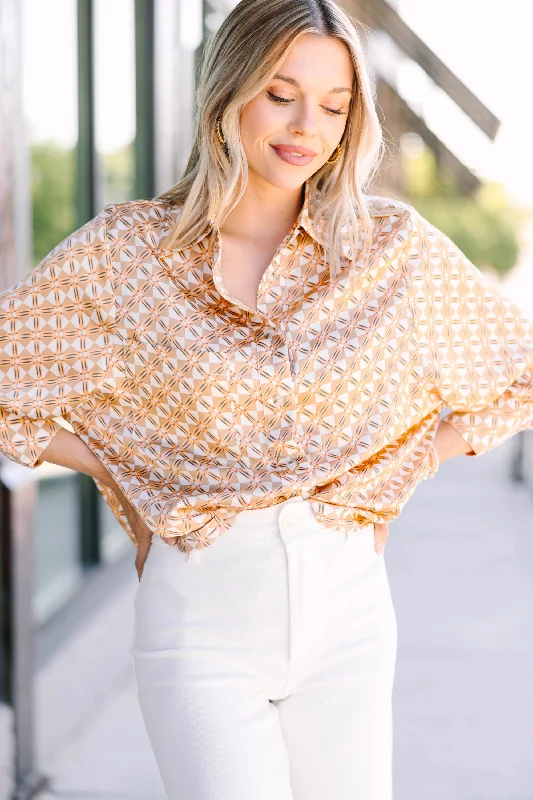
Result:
x=282 y=179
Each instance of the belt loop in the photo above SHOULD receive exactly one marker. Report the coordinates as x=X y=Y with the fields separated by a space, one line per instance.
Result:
x=194 y=556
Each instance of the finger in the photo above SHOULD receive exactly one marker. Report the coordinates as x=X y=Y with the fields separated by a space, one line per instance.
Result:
x=139 y=566
x=381 y=532
x=142 y=554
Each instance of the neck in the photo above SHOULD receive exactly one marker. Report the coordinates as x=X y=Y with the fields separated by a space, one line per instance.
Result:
x=264 y=213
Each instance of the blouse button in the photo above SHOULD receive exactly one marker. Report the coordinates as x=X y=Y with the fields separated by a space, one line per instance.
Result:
x=277 y=401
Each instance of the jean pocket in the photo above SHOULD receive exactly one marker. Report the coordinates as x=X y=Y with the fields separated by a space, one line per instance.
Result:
x=148 y=561
x=363 y=539
x=370 y=532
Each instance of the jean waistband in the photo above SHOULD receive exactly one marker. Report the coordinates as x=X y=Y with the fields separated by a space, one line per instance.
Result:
x=270 y=513
x=259 y=516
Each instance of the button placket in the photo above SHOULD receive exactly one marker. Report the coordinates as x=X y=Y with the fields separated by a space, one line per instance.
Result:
x=295 y=454
x=277 y=372
x=276 y=379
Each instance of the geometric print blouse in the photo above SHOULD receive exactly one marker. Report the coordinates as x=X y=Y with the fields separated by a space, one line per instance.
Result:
x=201 y=407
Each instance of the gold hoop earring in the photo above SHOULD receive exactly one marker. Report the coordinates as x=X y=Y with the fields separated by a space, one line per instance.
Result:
x=219 y=131
x=334 y=160
x=221 y=139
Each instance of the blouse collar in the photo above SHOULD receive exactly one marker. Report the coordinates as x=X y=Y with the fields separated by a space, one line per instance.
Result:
x=305 y=220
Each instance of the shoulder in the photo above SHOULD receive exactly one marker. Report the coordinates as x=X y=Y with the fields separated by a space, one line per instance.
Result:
x=391 y=217
x=417 y=229
x=410 y=219
x=379 y=206
x=393 y=224
x=146 y=219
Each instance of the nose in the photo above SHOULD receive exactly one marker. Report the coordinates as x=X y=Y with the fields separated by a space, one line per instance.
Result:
x=304 y=122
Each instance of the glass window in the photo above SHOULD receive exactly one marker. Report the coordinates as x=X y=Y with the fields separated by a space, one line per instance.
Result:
x=50 y=98
x=115 y=541
x=58 y=568
x=50 y=105
x=114 y=59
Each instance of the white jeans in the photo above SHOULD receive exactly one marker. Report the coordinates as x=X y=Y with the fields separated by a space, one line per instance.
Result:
x=265 y=670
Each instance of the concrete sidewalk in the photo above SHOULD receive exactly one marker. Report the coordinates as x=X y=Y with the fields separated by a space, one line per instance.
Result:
x=460 y=565
x=111 y=759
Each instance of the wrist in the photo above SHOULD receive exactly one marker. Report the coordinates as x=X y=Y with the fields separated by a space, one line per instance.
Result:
x=433 y=461
x=104 y=477
x=449 y=442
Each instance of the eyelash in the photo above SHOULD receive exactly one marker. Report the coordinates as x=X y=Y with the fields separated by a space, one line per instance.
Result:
x=285 y=101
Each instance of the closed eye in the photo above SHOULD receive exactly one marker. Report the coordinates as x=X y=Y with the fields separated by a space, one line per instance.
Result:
x=285 y=101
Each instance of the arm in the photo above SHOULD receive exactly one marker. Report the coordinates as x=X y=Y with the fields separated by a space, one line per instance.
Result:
x=57 y=345
x=68 y=450
x=476 y=343
x=449 y=442
x=57 y=336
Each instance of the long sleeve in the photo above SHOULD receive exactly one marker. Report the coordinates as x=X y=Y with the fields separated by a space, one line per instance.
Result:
x=477 y=343
x=56 y=340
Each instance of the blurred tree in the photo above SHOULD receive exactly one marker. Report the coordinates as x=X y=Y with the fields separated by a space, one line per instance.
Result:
x=54 y=186
x=485 y=226
x=117 y=172
x=53 y=176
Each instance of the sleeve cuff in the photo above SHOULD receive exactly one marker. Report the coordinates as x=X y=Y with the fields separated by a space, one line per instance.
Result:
x=24 y=440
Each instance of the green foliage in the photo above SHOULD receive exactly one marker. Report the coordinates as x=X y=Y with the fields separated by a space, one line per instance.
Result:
x=53 y=177
x=117 y=171
x=54 y=190
x=485 y=226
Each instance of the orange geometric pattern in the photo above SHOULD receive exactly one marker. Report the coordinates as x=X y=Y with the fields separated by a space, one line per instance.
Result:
x=201 y=407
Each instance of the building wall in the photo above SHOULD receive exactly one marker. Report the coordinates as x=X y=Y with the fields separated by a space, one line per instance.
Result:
x=49 y=94
x=15 y=229
x=178 y=32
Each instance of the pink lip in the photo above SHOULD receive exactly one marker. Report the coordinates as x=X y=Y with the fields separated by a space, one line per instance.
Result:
x=285 y=152
x=295 y=149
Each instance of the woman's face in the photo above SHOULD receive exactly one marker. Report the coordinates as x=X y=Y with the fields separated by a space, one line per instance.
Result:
x=314 y=87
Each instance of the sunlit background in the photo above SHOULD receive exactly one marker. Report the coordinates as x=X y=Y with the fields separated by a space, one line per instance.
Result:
x=96 y=100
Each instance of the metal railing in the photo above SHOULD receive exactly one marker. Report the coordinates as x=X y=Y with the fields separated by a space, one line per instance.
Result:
x=18 y=492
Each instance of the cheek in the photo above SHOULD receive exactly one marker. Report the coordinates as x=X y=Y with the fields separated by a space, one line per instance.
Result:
x=259 y=120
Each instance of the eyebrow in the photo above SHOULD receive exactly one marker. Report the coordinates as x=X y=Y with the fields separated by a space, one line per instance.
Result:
x=288 y=79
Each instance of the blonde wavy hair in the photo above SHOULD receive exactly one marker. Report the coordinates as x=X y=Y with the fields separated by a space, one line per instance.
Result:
x=240 y=58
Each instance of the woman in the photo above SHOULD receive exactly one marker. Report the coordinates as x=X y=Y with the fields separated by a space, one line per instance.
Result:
x=254 y=365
